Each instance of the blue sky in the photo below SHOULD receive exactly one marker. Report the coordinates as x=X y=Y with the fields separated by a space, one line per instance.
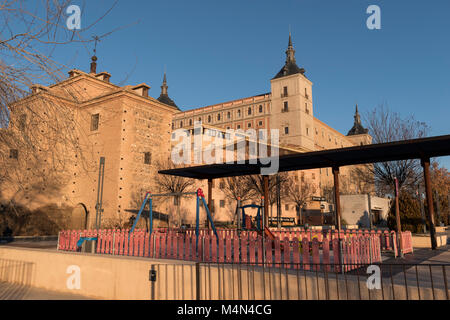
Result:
x=217 y=51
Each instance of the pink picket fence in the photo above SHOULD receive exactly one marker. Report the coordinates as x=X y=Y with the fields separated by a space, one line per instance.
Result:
x=387 y=238
x=407 y=242
x=295 y=253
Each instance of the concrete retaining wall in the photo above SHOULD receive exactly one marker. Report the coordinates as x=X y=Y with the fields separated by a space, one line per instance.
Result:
x=118 y=277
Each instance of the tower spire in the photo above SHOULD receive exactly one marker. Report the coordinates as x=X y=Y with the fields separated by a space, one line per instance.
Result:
x=357 y=116
x=290 y=52
x=164 y=86
x=357 y=125
x=164 y=96
x=290 y=66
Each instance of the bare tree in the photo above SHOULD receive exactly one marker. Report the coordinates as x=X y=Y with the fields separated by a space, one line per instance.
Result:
x=173 y=184
x=256 y=183
x=39 y=133
x=387 y=126
x=299 y=192
x=238 y=188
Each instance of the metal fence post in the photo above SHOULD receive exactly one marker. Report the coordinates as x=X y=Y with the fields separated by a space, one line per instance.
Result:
x=114 y=242
x=197 y=280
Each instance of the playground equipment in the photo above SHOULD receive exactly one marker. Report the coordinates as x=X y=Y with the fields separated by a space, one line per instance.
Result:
x=246 y=225
x=200 y=196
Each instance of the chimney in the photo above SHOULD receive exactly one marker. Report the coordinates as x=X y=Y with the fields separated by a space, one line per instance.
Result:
x=38 y=88
x=141 y=89
x=103 y=76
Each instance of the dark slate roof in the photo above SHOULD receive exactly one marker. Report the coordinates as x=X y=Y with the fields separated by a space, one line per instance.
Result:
x=164 y=98
x=357 y=129
x=288 y=69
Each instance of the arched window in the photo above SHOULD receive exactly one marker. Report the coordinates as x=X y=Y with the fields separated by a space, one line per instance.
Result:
x=260 y=108
x=209 y=118
x=249 y=110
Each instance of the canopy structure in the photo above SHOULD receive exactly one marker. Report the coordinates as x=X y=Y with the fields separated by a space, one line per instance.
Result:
x=423 y=149
x=401 y=150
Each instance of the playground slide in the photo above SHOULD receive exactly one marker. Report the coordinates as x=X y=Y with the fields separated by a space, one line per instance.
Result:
x=271 y=236
x=269 y=233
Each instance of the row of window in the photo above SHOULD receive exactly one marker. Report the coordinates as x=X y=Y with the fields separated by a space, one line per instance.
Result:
x=285 y=93
x=229 y=116
x=286 y=107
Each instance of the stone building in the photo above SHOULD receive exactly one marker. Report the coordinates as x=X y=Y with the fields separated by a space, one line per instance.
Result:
x=57 y=134
x=289 y=109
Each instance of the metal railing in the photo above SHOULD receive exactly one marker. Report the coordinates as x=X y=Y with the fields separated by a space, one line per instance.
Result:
x=218 y=281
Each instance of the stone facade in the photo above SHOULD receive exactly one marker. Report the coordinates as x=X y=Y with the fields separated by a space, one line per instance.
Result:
x=85 y=117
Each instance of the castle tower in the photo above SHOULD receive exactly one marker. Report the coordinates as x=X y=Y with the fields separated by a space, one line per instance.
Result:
x=292 y=107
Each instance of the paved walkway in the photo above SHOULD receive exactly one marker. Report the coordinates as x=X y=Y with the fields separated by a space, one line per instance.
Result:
x=421 y=256
x=10 y=291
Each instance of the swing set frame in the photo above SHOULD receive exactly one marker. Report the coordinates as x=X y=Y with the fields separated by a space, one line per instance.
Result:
x=200 y=197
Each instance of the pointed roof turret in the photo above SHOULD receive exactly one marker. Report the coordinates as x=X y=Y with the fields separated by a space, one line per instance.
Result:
x=357 y=126
x=164 y=97
x=290 y=67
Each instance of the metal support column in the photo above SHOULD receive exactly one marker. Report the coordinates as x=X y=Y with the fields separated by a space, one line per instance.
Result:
x=426 y=172
x=98 y=205
x=266 y=200
x=397 y=219
x=337 y=200
x=209 y=201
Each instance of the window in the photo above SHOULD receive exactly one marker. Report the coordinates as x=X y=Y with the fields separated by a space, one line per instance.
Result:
x=260 y=108
x=14 y=154
x=285 y=92
x=22 y=122
x=239 y=113
x=199 y=119
x=306 y=108
x=147 y=158
x=190 y=122
x=249 y=125
x=222 y=185
x=218 y=117
x=228 y=115
x=306 y=94
x=95 y=118
x=286 y=130
x=249 y=111
x=238 y=126
x=260 y=123
x=285 y=107
x=181 y=124
x=209 y=118
x=286 y=207
x=307 y=131
x=222 y=203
